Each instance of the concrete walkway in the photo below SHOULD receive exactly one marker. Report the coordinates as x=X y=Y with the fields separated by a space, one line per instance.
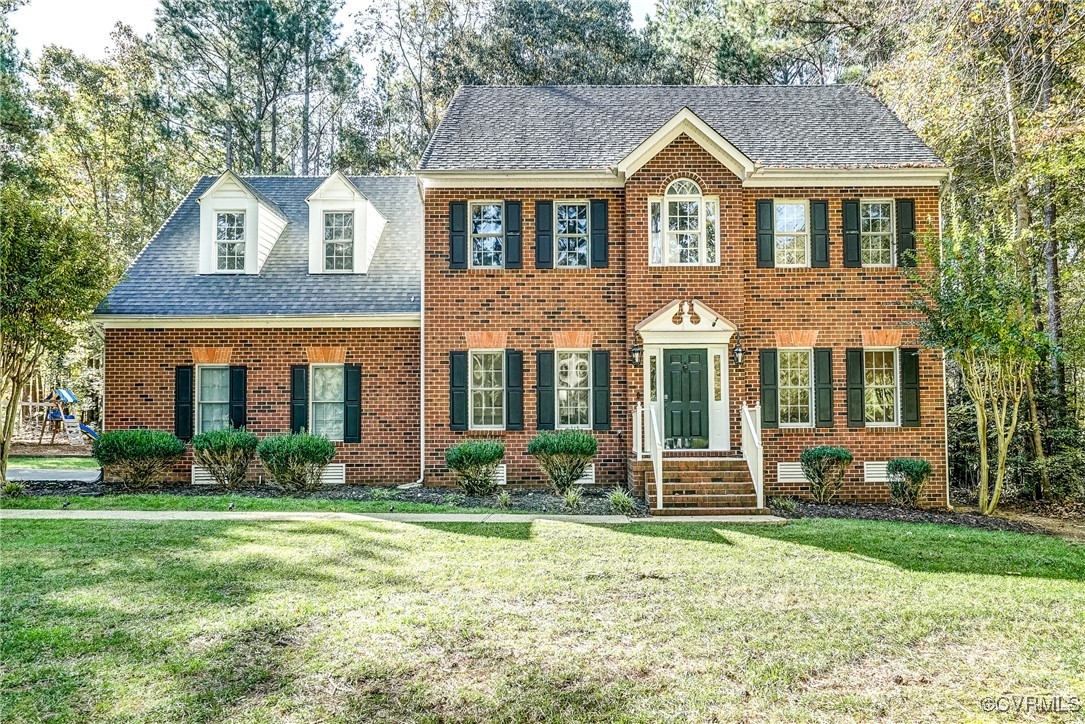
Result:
x=278 y=516
x=63 y=475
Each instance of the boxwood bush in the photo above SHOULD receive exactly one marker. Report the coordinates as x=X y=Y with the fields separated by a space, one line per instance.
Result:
x=907 y=476
x=139 y=458
x=474 y=464
x=563 y=456
x=295 y=462
x=226 y=454
x=825 y=467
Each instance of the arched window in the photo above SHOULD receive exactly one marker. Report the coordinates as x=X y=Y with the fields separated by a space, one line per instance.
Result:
x=683 y=226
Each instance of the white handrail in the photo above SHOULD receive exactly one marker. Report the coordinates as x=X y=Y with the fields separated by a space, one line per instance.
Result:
x=657 y=456
x=638 y=431
x=752 y=449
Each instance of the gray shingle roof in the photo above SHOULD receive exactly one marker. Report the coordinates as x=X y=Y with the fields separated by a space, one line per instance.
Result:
x=164 y=280
x=594 y=127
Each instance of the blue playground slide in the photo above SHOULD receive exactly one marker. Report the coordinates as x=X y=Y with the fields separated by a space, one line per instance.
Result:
x=88 y=432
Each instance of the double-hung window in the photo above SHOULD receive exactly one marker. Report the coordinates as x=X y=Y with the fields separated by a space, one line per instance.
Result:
x=791 y=220
x=876 y=247
x=880 y=393
x=327 y=393
x=487 y=227
x=487 y=389
x=212 y=397
x=573 y=388
x=230 y=241
x=683 y=226
x=796 y=383
x=339 y=241
x=571 y=239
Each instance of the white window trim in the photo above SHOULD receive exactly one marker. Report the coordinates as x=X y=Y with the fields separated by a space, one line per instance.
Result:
x=571 y=202
x=324 y=243
x=810 y=404
x=471 y=390
x=557 y=410
x=896 y=386
x=702 y=247
x=313 y=400
x=215 y=241
x=776 y=233
x=471 y=240
x=892 y=232
x=196 y=425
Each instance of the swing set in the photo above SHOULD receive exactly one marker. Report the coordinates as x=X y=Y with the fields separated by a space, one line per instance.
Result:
x=59 y=417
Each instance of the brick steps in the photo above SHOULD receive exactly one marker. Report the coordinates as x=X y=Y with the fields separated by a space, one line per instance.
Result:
x=699 y=477
x=708 y=501
x=705 y=486
x=709 y=511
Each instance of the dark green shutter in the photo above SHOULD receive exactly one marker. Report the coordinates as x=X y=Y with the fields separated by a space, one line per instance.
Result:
x=853 y=359
x=352 y=403
x=514 y=238
x=600 y=256
x=514 y=389
x=600 y=390
x=544 y=390
x=823 y=387
x=766 y=243
x=299 y=398
x=909 y=387
x=905 y=232
x=819 y=234
x=183 y=413
x=457 y=234
x=544 y=234
x=238 y=393
x=852 y=256
x=457 y=387
x=770 y=389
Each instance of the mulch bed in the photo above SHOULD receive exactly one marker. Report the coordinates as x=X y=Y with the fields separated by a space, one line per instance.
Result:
x=60 y=450
x=901 y=514
x=593 y=502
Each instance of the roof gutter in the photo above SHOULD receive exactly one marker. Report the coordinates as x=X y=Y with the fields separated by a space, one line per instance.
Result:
x=269 y=321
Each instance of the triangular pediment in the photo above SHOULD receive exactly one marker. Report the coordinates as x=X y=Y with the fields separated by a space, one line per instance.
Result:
x=337 y=186
x=689 y=123
x=685 y=320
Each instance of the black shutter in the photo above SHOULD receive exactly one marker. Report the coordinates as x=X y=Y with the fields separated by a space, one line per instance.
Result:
x=819 y=234
x=514 y=238
x=544 y=234
x=852 y=257
x=238 y=394
x=770 y=389
x=183 y=414
x=600 y=256
x=457 y=234
x=352 y=403
x=766 y=243
x=299 y=398
x=457 y=387
x=544 y=390
x=909 y=387
x=905 y=232
x=823 y=387
x=514 y=389
x=853 y=359
x=600 y=390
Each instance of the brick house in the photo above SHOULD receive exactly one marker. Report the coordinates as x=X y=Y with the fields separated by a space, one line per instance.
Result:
x=708 y=278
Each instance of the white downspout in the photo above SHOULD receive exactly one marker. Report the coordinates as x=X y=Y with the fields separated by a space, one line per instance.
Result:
x=422 y=339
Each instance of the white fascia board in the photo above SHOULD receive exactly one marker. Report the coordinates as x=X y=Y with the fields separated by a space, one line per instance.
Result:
x=541 y=178
x=133 y=321
x=336 y=178
x=781 y=177
x=689 y=123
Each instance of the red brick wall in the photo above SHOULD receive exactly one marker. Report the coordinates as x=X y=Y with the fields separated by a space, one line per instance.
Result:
x=139 y=382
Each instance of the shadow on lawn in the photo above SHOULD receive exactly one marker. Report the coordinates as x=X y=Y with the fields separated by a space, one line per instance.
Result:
x=509 y=531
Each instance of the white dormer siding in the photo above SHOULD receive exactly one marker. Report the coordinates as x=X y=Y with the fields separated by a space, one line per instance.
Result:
x=248 y=219
x=333 y=199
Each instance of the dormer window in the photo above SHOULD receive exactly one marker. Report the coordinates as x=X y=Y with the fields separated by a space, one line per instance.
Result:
x=230 y=241
x=683 y=226
x=338 y=241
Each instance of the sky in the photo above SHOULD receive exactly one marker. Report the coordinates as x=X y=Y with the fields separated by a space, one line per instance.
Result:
x=85 y=25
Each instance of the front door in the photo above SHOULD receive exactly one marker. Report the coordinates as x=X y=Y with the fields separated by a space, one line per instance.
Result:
x=685 y=398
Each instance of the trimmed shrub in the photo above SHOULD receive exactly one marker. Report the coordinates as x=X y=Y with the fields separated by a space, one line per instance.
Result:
x=296 y=462
x=139 y=458
x=12 y=489
x=621 y=501
x=824 y=467
x=907 y=476
x=474 y=462
x=225 y=454
x=563 y=456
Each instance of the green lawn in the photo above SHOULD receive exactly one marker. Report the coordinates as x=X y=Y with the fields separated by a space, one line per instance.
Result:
x=546 y=621
x=60 y=463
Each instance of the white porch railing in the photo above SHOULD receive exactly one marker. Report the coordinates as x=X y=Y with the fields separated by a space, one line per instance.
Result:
x=657 y=456
x=752 y=449
x=648 y=443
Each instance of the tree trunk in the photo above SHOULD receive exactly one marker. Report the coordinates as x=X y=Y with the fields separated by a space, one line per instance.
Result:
x=305 y=108
x=275 y=138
